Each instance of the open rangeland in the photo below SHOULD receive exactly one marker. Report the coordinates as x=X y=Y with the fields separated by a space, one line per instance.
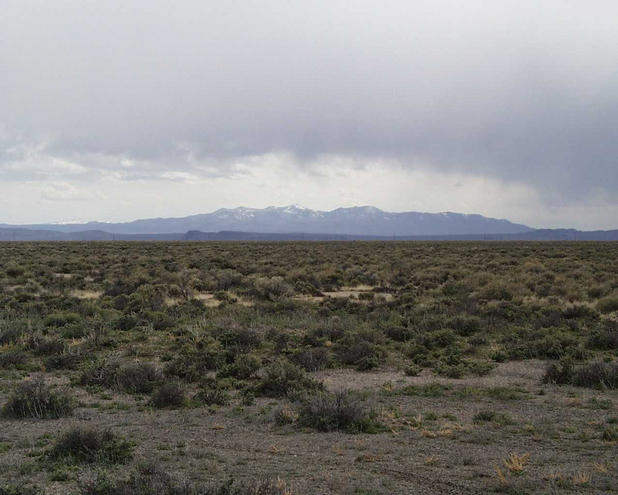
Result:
x=308 y=368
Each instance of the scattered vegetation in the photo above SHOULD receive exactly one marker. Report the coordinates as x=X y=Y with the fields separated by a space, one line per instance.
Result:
x=150 y=478
x=257 y=335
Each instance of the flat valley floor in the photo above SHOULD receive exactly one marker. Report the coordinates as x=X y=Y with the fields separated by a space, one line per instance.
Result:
x=325 y=368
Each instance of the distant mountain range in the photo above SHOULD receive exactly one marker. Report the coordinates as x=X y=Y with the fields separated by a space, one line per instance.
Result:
x=296 y=223
x=361 y=220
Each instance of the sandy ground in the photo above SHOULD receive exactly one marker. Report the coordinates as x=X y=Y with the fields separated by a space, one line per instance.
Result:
x=434 y=446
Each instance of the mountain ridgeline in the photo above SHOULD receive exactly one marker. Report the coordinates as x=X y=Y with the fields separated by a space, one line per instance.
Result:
x=362 y=220
x=296 y=223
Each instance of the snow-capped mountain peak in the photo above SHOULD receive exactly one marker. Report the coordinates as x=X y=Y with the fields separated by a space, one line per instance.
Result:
x=356 y=220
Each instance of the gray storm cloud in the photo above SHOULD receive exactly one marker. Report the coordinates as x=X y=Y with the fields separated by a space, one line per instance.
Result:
x=518 y=91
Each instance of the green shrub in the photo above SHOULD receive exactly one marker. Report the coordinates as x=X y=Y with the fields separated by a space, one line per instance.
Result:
x=33 y=398
x=412 y=370
x=244 y=367
x=12 y=358
x=159 y=320
x=148 y=298
x=399 y=333
x=212 y=394
x=20 y=490
x=465 y=325
x=485 y=416
x=341 y=411
x=42 y=345
x=131 y=377
x=61 y=319
x=610 y=434
x=437 y=339
x=604 y=337
x=14 y=271
x=70 y=359
x=578 y=311
x=362 y=354
x=239 y=340
x=91 y=445
x=125 y=322
x=9 y=332
x=140 y=378
x=272 y=289
x=283 y=378
x=193 y=362
x=608 y=304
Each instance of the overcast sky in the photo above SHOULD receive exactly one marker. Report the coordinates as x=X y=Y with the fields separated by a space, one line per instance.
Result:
x=119 y=110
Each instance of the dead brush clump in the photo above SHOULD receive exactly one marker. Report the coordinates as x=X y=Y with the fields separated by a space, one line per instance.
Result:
x=285 y=415
x=169 y=395
x=516 y=463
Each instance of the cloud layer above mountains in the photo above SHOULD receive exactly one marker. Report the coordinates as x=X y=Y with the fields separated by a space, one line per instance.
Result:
x=507 y=108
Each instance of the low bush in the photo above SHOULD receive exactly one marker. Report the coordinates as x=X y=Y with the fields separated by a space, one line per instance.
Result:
x=283 y=378
x=465 y=325
x=244 y=367
x=240 y=339
x=595 y=375
x=486 y=416
x=70 y=359
x=140 y=378
x=12 y=358
x=605 y=337
x=43 y=345
x=341 y=411
x=312 y=358
x=168 y=395
x=610 y=434
x=61 y=319
x=192 y=362
x=272 y=289
x=34 y=398
x=212 y=395
x=608 y=304
x=362 y=354
x=20 y=490
x=125 y=322
x=399 y=333
x=91 y=445
x=131 y=377
x=9 y=333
